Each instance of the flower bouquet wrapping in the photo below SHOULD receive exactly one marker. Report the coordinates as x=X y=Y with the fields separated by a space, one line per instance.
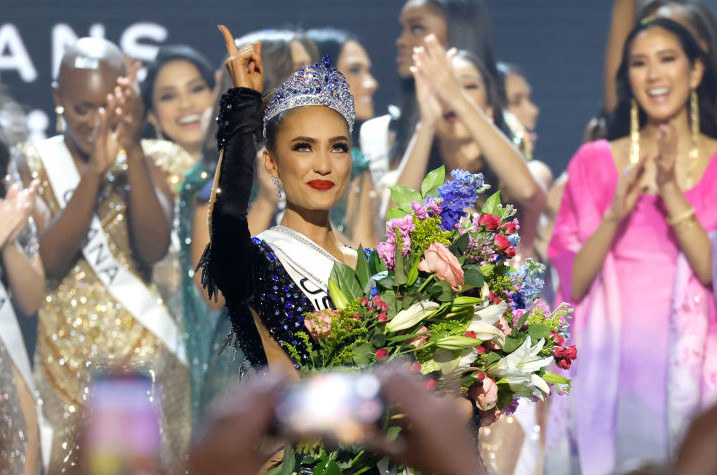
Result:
x=439 y=291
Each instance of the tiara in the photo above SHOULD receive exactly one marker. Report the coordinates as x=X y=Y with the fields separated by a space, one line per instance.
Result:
x=317 y=85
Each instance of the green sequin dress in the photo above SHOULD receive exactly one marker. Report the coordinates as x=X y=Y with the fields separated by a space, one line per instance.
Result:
x=214 y=365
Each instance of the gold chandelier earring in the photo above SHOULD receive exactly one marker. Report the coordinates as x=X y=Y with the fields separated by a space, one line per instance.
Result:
x=634 y=153
x=60 y=120
x=694 y=154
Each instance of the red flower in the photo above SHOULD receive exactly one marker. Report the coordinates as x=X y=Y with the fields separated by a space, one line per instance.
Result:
x=480 y=350
x=489 y=221
x=381 y=353
x=563 y=363
x=364 y=302
x=559 y=352
x=382 y=317
x=480 y=375
x=510 y=227
x=504 y=246
x=557 y=338
x=380 y=304
x=571 y=352
x=470 y=334
x=416 y=367
x=431 y=384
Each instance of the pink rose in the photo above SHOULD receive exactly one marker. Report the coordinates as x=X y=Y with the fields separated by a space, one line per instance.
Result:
x=511 y=227
x=419 y=341
x=440 y=260
x=381 y=353
x=503 y=246
x=319 y=323
x=502 y=325
x=489 y=222
x=484 y=393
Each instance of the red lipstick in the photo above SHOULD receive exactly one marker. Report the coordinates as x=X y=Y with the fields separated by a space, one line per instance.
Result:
x=321 y=185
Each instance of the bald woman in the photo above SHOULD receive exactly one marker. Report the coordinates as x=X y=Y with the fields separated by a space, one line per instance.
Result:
x=105 y=218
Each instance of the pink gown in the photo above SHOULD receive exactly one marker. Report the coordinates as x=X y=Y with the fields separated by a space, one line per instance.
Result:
x=645 y=332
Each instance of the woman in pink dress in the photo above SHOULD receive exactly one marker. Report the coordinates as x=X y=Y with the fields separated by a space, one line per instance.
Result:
x=633 y=251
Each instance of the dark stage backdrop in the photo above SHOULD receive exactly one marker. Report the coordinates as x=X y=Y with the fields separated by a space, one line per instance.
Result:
x=558 y=43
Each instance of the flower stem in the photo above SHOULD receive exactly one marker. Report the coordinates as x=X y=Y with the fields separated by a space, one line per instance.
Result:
x=423 y=286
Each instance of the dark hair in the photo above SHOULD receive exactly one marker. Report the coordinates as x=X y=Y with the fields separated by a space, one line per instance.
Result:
x=506 y=69
x=469 y=28
x=619 y=125
x=330 y=41
x=278 y=66
x=169 y=54
x=698 y=14
x=4 y=166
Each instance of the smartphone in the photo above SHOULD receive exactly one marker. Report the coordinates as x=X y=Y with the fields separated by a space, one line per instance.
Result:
x=338 y=407
x=122 y=434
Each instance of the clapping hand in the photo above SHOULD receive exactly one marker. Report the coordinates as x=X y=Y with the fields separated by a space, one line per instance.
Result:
x=129 y=108
x=15 y=210
x=433 y=64
x=629 y=187
x=244 y=65
x=430 y=106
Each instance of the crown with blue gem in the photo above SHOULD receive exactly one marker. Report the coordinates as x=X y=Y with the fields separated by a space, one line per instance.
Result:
x=317 y=85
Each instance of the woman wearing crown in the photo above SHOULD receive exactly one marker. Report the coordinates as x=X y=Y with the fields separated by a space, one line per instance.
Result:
x=270 y=280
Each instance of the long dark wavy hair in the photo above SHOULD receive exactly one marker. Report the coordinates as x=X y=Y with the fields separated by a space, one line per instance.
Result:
x=619 y=124
x=469 y=29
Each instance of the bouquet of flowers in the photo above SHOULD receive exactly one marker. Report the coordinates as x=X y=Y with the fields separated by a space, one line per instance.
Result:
x=439 y=291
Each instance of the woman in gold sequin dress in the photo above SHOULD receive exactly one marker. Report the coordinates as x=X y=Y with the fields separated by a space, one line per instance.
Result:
x=22 y=281
x=107 y=219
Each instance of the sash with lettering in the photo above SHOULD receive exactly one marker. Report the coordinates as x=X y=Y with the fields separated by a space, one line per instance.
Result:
x=11 y=337
x=308 y=265
x=124 y=286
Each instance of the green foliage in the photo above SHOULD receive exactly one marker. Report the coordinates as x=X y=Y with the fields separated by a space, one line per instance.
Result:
x=434 y=179
x=425 y=232
x=403 y=196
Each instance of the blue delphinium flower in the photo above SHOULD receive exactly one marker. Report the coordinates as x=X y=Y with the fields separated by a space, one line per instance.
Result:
x=529 y=282
x=458 y=194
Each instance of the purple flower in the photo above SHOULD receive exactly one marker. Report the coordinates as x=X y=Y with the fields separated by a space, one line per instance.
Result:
x=386 y=253
x=434 y=206
x=420 y=210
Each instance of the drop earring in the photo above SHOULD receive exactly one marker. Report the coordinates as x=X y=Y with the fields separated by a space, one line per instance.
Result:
x=60 y=121
x=158 y=132
x=634 y=153
x=277 y=184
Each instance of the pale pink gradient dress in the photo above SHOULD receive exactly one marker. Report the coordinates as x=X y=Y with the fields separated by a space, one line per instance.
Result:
x=645 y=332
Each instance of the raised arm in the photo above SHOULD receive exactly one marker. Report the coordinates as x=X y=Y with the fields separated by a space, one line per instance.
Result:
x=226 y=261
x=621 y=22
x=150 y=207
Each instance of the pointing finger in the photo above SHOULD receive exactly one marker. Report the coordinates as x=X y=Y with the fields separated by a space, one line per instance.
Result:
x=229 y=39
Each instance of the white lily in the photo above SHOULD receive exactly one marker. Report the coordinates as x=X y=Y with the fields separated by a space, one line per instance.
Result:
x=483 y=323
x=412 y=315
x=518 y=369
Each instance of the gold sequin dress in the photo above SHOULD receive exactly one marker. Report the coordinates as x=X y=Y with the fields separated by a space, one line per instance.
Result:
x=83 y=329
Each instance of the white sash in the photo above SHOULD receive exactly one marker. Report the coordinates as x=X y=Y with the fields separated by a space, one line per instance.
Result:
x=11 y=337
x=124 y=286
x=308 y=265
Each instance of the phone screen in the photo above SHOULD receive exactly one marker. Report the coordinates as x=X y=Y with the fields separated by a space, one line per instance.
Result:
x=122 y=434
x=344 y=407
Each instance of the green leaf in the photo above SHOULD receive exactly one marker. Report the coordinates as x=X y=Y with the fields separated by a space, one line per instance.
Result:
x=345 y=277
x=472 y=275
x=512 y=344
x=491 y=358
x=442 y=291
x=390 y=298
x=487 y=269
x=332 y=468
x=379 y=340
x=394 y=213
x=517 y=327
x=538 y=331
x=505 y=395
x=362 y=355
x=492 y=204
x=403 y=196
x=362 y=272
x=337 y=296
x=459 y=247
x=387 y=283
x=392 y=433
x=412 y=274
x=287 y=466
x=399 y=270
x=433 y=180
x=553 y=378
x=375 y=264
